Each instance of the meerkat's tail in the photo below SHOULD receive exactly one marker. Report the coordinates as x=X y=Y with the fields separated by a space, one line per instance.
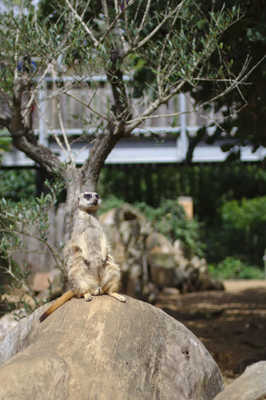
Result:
x=58 y=303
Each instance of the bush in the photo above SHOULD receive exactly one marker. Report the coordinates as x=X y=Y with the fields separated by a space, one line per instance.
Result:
x=109 y=203
x=243 y=225
x=17 y=220
x=18 y=184
x=233 y=268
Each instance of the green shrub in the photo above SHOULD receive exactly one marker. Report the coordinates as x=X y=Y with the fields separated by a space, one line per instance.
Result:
x=243 y=225
x=109 y=203
x=16 y=222
x=233 y=268
x=18 y=184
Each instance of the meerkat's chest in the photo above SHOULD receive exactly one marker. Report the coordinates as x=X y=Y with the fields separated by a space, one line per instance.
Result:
x=94 y=237
x=94 y=245
x=90 y=238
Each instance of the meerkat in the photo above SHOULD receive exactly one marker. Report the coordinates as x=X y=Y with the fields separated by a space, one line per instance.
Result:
x=90 y=268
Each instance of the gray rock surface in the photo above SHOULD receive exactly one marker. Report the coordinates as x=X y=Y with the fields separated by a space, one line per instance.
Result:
x=7 y=322
x=106 y=350
x=15 y=334
x=251 y=385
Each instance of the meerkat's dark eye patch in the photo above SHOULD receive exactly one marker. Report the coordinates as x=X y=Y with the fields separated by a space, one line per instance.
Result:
x=87 y=196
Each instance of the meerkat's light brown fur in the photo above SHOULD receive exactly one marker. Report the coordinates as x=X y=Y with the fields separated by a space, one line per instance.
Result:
x=90 y=268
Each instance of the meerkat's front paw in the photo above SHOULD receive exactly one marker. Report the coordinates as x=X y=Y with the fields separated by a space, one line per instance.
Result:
x=121 y=298
x=87 y=297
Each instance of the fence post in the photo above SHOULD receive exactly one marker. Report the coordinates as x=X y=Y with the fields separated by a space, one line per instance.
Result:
x=182 y=141
x=43 y=137
x=264 y=261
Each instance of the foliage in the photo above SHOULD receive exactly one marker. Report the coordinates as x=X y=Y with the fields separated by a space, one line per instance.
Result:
x=233 y=268
x=243 y=224
x=167 y=43
x=193 y=36
x=5 y=142
x=243 y=111
x=27 y=218
x=18 y=184
x=17 y=219
x=110 y=202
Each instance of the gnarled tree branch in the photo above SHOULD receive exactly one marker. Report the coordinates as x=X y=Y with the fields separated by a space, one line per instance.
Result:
x=5 y=111
x=23 y=136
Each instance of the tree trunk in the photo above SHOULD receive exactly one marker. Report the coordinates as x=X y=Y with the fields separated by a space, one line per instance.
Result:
x=73 y=189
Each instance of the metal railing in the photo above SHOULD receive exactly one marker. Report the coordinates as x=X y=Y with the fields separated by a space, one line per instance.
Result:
x=141 y=148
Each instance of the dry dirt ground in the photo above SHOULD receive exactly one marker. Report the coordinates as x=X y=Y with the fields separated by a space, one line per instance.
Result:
x=231 y=324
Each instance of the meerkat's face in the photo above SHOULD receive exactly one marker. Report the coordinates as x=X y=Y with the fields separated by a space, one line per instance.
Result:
x=89 y=201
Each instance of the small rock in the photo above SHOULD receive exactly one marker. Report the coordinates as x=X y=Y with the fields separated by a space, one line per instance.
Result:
x=251 y=385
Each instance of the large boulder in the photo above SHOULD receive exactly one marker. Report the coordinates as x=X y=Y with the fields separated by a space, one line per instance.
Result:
x=108 y=350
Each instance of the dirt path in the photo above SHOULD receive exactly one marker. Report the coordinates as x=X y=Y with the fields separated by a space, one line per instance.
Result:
x=239 y=285
x=231 y=324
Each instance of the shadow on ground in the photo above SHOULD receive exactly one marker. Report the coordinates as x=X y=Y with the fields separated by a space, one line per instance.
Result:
x=231 y=324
